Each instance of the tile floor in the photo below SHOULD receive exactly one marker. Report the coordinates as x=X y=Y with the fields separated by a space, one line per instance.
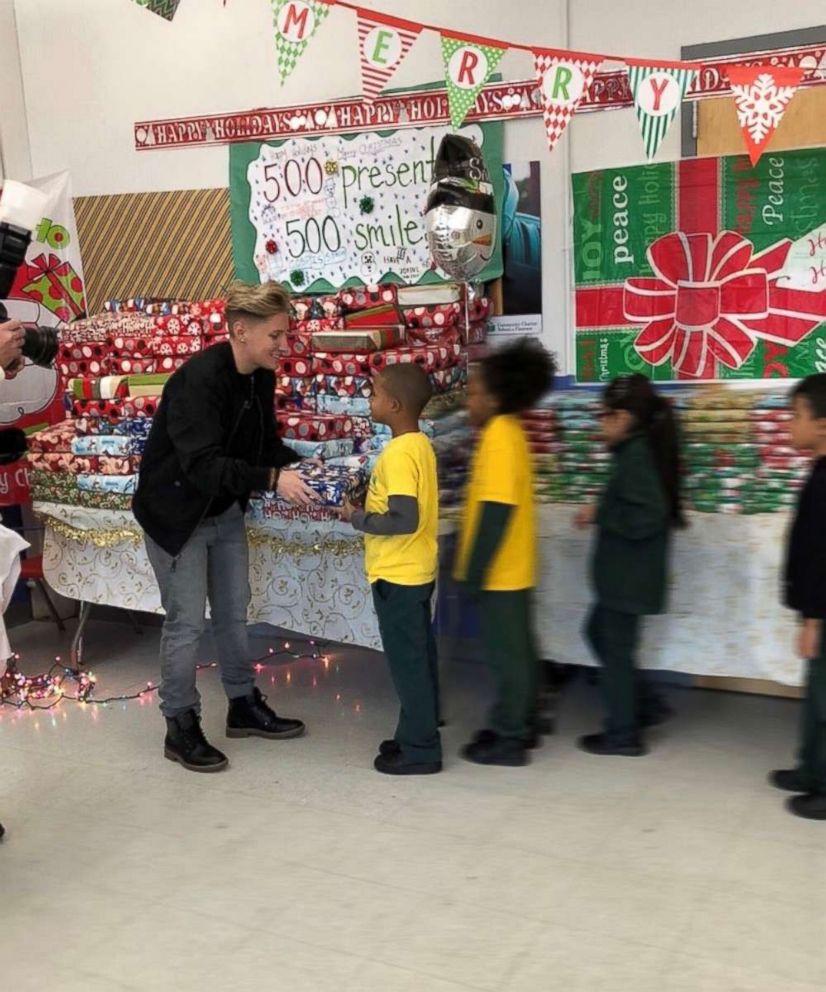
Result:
x=300 y=869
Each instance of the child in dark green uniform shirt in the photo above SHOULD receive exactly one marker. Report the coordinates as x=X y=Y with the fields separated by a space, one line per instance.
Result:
x=805 y=592
x=634 y=517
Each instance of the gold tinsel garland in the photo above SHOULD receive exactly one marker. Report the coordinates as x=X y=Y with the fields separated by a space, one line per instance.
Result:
x=339 y=547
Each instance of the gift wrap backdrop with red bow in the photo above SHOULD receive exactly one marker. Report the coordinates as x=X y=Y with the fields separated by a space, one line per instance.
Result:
x=682 y=269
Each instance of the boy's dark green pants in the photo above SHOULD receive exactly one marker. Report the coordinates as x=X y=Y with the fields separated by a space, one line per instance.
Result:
x=410 y=648
x=813 y=729
x=613 y=636
x=506 y=622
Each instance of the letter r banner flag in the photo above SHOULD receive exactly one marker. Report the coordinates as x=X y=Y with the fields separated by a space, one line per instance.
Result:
x=468 y=67
x=563 y=83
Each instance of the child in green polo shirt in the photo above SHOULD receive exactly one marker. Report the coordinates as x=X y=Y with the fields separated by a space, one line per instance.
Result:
x=634 y=517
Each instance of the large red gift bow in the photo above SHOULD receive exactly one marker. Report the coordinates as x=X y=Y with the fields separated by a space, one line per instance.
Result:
x=711 y=299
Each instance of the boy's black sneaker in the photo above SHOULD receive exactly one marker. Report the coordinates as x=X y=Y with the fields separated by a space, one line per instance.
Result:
x=495 y=750
x=186 y=744
x=605 y=744
x=532 y=740
x=789 y=780
x=396 y=764
x=811 y=806
x=249 y=716
x=390 y=746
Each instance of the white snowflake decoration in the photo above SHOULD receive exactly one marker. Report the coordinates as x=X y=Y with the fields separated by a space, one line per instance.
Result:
x=760 y=107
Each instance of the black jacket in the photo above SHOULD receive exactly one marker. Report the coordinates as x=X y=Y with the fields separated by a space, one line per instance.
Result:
x=629 y=568
x=805 y=578
x=213 y=441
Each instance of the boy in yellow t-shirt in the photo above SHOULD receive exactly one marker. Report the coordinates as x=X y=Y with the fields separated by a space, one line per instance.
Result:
x=400 y=523
x=496 y=557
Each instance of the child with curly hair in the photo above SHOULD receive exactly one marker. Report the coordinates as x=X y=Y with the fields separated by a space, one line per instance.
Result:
x=496 y=558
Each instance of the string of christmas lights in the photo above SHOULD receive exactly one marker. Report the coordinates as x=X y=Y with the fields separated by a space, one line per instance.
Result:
x=47 y=690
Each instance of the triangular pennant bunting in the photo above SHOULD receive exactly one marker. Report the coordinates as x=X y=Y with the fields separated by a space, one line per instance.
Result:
x=382 y=47
x=761 y=94
x=163 y=8
x=296 y=21
x=563 y=82
x=658 y=93
x=468 y=67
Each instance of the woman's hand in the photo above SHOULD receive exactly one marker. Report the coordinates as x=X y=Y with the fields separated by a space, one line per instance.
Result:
x=295 y=490
x=586 y=516
x=12 y=337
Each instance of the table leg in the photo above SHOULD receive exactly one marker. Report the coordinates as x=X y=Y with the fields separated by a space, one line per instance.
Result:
x=76 y=650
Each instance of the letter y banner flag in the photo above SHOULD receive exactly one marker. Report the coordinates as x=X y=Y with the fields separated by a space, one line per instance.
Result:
x=296 y=21
x=563 y=83
x=658 y=93
x=383 y=46
x=468 y=67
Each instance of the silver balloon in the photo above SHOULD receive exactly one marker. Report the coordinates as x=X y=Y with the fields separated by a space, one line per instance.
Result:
x=460 y=216
x=461 y=240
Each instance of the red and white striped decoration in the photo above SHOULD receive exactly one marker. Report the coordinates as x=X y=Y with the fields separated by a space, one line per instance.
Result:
x=383 y=44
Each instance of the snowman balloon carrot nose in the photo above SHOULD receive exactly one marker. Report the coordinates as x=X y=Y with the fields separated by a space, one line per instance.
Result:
x=460 y=215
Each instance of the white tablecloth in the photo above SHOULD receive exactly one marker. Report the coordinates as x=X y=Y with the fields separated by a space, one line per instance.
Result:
x=322 y=593
x=725 y=616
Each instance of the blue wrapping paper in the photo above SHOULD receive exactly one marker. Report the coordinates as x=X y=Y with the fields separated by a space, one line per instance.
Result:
x=354 y=406
x=121 y=484
x=108 y=444
x=334 y=448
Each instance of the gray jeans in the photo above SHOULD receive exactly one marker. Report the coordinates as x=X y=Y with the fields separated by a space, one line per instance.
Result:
x=214 y=563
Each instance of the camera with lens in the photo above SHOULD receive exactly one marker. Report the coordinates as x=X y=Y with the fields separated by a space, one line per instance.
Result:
x=21 y=207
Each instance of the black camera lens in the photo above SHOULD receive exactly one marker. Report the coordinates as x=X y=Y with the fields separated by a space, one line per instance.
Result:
x=40 y=345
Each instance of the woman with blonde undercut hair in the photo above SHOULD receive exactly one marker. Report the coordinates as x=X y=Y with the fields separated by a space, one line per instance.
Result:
x=213 y=442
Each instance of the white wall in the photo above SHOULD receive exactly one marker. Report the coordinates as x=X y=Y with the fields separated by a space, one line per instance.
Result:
x=92 y=68
x=14 y=135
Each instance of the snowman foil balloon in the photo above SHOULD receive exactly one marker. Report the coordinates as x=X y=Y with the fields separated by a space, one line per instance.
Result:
x=460 y=215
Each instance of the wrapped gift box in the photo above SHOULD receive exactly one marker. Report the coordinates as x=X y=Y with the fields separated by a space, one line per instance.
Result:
x=386 y=315
x=368 y=297
x=314 y=426
x=58 y=438
x=108 y=444
x=141 y=406
x=423 y=296
x=364 y=339
x=343 y=385
x=123 y=485
x=336 y=448
x=54 y=461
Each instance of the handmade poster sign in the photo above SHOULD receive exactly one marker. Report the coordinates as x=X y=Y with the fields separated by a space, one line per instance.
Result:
x=703 y=269
x=317 y=214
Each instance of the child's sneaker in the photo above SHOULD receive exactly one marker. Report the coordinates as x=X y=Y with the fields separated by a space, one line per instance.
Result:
x=790 y=780
x=606 y=744
x=397 y=764
x=491 y=749
x=811 y=806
